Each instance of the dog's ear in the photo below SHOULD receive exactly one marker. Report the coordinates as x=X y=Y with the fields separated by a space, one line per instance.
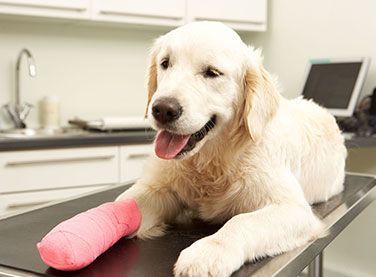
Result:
x=261 y=97
x=152 y=77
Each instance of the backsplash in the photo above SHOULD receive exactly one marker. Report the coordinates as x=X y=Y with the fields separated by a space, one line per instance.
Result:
x=94 y=71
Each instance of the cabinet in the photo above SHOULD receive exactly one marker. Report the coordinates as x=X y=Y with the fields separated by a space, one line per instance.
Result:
x=246 y=15
x=49 y=169
x=75 y=9
x=21 y=201
x=132 y=161
x=160 y=12
x=31 y=178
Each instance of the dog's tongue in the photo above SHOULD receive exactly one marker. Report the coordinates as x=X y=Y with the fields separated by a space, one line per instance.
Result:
x=168 y=145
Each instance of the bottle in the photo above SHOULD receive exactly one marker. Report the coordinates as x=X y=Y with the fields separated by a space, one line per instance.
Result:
x=50 y=112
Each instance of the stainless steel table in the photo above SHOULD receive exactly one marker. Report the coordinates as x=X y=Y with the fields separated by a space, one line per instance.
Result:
x=132 y=257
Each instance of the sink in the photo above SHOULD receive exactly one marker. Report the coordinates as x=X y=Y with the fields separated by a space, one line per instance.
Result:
x=40 y=133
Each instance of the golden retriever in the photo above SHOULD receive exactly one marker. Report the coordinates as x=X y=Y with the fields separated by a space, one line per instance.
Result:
x=230 y=148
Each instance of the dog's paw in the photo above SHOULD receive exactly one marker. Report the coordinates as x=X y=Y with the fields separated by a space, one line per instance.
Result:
x=151 y=232
x=208 y=257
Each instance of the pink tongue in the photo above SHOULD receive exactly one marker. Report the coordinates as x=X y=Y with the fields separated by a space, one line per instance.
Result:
x=168 y=145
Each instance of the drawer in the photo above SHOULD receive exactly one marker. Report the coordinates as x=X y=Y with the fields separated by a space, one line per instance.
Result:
x=132 y=160
x=58 y=168
x=19 y=202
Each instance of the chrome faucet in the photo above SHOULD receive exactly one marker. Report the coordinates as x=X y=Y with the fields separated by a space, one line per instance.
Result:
x=19 y=111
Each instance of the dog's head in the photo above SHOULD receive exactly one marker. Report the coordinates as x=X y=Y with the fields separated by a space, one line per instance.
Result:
x=202 y=77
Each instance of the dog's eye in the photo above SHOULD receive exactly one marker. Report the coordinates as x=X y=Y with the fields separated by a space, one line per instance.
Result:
x=212 y=73
x=165 y=63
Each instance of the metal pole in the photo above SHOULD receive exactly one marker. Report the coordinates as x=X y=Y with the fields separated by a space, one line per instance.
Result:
x=316 y=266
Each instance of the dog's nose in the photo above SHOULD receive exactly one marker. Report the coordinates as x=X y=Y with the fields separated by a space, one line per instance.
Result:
x=166 y=110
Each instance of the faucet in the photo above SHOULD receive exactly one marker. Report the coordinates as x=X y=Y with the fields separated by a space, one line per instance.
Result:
x=19 y=111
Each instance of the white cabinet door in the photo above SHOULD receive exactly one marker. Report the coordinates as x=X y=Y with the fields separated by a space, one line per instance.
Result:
x=132 y=161
x=58 y=168
x=47 y=8
x=145 y=12
x=20 y=202
x=247 y=15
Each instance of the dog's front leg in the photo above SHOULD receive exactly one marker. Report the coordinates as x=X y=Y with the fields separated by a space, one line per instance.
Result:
x=158 y=205
x=274 y=229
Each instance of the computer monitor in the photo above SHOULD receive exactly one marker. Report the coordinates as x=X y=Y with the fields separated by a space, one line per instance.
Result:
x=335 y=83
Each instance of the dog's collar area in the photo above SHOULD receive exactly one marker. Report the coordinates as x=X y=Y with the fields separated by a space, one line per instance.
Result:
x=198 y=136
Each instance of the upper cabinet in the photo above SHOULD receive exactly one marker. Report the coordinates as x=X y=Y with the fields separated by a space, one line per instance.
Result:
x=244 y=15
x=146 y=12
x=75 y=9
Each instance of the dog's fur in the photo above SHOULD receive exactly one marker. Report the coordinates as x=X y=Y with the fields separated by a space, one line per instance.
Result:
x=259 y=169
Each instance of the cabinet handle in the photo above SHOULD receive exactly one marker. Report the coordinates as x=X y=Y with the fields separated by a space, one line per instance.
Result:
x=138 y=156
x=142 y=15
x=27 y=204
x=42 y=6
x=236 y=21
x=61 y=160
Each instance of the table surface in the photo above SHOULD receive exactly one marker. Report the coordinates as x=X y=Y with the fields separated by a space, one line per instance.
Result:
x=132 y=257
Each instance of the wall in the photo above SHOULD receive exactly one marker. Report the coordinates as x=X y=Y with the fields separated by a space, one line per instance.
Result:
x=297 y=31
x=95 y=71
x=302 y=29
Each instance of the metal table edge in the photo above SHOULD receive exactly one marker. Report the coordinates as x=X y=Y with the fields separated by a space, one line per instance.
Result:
x=293 y=262
x=6 y=271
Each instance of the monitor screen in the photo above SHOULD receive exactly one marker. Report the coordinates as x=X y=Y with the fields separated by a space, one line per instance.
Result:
x=332 y=84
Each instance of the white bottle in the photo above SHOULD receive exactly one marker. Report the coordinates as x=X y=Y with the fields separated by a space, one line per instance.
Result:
x=50 y=112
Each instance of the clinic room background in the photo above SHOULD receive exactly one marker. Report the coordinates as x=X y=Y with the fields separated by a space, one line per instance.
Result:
x=103 y=73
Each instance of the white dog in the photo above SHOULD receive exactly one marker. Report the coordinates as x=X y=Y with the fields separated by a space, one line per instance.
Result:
x=232 y=149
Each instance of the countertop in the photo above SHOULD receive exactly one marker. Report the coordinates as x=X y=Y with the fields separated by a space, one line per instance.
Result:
x=132 y=257
x=361 y=142
x=81 y=139
x=92 y=138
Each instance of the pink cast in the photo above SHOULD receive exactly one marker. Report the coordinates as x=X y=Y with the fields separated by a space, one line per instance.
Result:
x=77 y=242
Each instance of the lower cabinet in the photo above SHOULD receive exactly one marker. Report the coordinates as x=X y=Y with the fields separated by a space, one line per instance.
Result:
x=32 y=178
x=132 y=161
x=57 y=168
x=22 y=201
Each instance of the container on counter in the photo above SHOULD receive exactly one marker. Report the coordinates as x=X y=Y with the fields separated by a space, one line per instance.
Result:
x=50 y=112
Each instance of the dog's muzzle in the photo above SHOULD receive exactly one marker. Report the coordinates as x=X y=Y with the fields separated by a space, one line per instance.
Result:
x=169 y=145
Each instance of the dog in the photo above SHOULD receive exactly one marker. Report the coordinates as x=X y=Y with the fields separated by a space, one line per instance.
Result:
x=230 y=149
